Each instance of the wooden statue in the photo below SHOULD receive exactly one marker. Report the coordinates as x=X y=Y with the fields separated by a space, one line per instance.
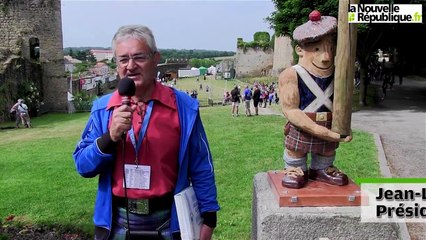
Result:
x=306 y=94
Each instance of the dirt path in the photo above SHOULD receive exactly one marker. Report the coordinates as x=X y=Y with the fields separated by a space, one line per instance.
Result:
x=400 y=120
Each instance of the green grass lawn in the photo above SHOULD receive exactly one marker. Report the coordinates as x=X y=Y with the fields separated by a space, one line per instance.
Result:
x=216 y=88
x=39 y=184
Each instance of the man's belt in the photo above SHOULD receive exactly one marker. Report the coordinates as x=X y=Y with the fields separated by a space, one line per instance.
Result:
x=320 y=116
x=145 y=206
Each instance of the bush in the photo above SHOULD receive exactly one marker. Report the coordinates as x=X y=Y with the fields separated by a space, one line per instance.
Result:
x=29 y=91
x=83 y=101
x=261 y=37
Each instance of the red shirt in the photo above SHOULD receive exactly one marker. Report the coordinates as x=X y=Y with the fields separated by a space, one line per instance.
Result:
x=159 y=149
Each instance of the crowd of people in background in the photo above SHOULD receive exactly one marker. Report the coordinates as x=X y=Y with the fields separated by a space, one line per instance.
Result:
x=258 y=94
x=193 y=93
x=382 y=70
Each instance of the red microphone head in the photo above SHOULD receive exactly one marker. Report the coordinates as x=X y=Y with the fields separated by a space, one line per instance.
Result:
x=126 y=89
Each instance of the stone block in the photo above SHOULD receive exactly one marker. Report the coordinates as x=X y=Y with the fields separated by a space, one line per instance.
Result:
x=270 y=221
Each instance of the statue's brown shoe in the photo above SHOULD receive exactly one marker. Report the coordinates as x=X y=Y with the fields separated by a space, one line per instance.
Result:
x=294 y=177
x=330 y=175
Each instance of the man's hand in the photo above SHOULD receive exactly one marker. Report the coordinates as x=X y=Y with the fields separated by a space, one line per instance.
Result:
x=121 y=121
x=206 y=232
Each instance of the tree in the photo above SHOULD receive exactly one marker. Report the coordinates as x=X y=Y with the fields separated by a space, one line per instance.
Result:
x=372 y=37
x=111 y=64
x=195 y=62
x=292 y=13
x=81 y=67
x=261 y=37
x=261 y=40
x=81 y=55
x=90 y=57
x=193 y=53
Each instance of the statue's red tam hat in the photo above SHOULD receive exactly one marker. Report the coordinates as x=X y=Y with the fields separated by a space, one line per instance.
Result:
x=317 y=27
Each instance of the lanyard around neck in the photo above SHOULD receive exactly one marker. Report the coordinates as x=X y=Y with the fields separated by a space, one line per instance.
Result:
x=142 y=132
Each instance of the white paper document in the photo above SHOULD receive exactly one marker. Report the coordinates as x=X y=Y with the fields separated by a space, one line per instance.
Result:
x=189 y=217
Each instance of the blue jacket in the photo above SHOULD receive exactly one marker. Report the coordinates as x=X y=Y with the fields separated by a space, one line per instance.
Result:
x=195 y=160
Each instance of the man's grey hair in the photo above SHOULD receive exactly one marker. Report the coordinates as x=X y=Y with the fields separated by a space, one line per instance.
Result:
x=138 y=32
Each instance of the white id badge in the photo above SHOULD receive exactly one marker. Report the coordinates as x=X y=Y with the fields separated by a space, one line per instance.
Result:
x=138 y=176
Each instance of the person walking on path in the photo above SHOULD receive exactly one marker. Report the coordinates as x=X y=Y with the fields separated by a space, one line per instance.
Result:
x=25 y=116
x=14 y=110
x=20 y=109
x=235 y=99
x=265 y=97
x=247 y=98
x=256 y=99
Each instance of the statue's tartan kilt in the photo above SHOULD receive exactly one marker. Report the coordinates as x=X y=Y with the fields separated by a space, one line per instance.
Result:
x=298 y=140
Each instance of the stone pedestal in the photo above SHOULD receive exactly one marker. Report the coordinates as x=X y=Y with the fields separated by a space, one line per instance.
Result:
x=270 y=221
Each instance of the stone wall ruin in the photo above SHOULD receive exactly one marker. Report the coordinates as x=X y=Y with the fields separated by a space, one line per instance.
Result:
x=31 y=55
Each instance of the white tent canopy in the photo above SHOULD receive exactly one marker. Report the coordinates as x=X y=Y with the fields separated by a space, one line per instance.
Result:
x=188 y=72
x=212 y=70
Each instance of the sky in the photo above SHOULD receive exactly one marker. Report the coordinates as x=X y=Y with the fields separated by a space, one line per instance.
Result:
x=196 y=24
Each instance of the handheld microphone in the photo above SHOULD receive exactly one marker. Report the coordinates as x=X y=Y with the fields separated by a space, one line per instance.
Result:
x=126 y=89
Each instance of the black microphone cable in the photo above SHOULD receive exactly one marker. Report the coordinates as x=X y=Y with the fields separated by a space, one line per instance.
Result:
x=126 y=87
x=125 y=184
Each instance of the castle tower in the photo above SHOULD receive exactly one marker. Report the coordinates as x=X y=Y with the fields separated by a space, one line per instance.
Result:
x=283 y=54
x=31 y=50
